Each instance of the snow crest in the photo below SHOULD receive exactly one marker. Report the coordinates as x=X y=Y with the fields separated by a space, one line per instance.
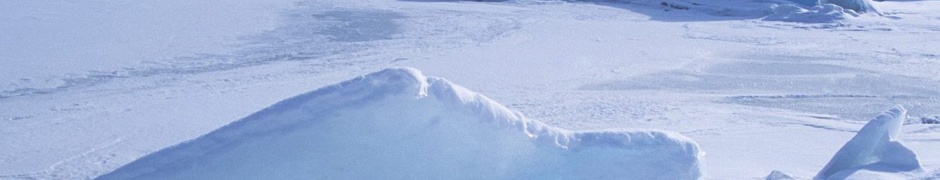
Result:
x=876 y=148
x=399 y=124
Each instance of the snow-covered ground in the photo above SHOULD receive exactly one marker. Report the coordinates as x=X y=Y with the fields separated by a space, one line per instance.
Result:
x=45 y=41
x=87 y=87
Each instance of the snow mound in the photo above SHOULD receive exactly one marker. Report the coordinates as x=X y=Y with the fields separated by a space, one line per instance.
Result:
x=744 y=8
x=856 y=6
x=874 y=152
x=777 y=175
x=399 y=124
x=804 y=11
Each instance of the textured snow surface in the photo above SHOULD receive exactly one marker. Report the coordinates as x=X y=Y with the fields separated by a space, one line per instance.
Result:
x=875 y=151
x=399 y=124
x=75 y=39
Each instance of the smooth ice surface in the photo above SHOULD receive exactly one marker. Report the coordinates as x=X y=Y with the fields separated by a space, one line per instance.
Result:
x=874 y=149
x=398 y=124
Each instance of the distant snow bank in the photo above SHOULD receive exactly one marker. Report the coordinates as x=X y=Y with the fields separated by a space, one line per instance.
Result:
x=856 y=6
x=874 y=152
x=802 y=11
x=399 y=124
x=817 y=14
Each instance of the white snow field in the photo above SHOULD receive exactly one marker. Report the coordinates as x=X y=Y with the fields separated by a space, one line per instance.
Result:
x=765 y=88
x=397 y=124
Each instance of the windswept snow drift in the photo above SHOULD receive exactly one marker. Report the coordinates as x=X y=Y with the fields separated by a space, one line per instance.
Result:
x=873 y=150
x=398 y=124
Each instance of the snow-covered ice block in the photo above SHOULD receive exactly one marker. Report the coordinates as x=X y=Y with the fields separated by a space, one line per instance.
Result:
x=874 y=152
x=399 y=124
